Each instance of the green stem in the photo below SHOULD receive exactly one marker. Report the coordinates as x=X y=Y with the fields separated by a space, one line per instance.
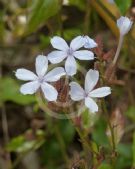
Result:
x=87 y=17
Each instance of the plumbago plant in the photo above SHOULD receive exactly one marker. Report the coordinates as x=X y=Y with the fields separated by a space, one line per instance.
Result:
x=70 y=53
x=78 y=98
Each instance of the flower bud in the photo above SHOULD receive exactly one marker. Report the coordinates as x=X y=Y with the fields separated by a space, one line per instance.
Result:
x=124 y=24
x=89 y=43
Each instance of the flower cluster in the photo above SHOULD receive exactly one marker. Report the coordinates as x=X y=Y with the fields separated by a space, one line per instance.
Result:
x=42 y=78
x=69 y=53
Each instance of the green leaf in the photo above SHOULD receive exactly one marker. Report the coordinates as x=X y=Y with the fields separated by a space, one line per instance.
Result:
x=125 y=150
x=9 y=91
x=20 y=144
x=41 y=11
x=123 y=5
x=67 y=130
x=51 y=150
x=124 y=159
x=99 y=131
x=15 y=143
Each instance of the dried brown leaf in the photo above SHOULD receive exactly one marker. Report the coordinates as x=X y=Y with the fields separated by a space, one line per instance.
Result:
x=117 y=122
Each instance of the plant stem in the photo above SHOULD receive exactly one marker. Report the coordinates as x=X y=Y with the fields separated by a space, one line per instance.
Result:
x=118 y=50
x=87 y=17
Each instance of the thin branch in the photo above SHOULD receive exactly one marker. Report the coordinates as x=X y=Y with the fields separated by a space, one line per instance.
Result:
x=118 y=50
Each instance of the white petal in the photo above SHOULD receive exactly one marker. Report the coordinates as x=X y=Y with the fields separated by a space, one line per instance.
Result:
x=54 y=74
x=91 y=80
x=76 y=91
x=124 y=24
x=59 y=43
x=56 y=56
x=24 y=74
x=70 y=66
x=41 y=65
x=30 y=87
x=89 y=43
x=49 y=91
x=100 y=92
x=91 y=104
x=84 y=55
x=77 y=43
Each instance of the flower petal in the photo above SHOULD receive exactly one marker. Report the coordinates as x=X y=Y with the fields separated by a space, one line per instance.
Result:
x=24 y=74
x=84 y=55
x=49 y=91
x=100 y=92
x=91 y=104
x=59 y=43
x=56 y=56
x=30 y=87
x=76 y=91
x=70 y=66
x=89 y=43
x=41 y=65
x=77 y=43
x=54 y=74
x=91 y=80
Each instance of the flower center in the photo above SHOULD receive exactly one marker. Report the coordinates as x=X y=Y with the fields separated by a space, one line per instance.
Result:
x=86 y=94
x=70 y=52
x=40 y=79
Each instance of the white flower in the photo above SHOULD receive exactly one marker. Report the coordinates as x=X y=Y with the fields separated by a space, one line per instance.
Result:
x=77 y=93
x=69 y=52
x=41 y=79
x=88 y=42
x=124 y=24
